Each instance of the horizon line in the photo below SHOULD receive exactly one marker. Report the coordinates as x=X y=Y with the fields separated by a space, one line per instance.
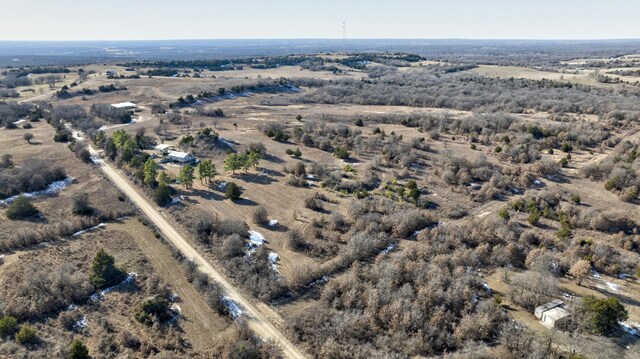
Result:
x=331 y=38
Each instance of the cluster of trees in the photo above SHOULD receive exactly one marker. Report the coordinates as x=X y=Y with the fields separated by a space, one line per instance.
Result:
x=230 y=237
x=470 y=92
x=30 y=176
x=11 y=112
x=111 y=88
x=111 y=114
x=262 y=86
x=619 y=171
x=236 y=161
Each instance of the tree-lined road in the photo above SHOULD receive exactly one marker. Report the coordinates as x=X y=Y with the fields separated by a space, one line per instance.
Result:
x=253 y=316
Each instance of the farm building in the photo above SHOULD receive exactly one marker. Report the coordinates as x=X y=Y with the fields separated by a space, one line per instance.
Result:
x=126 y=105
x=164 y=148
x=553 y=314
x=181 y=157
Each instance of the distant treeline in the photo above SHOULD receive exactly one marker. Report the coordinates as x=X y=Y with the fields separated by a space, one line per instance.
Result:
x=167 y=68
x=466 y=91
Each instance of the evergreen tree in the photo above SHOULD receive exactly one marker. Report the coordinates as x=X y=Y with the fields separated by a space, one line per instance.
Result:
x=601 y=316
x=78 y=350
x=206 y=170
x=233 y=162
x=186 y=176
x=150 y=172
x=162 y=194
x=21 y=208
x=233 y=191
x=253 y=159
x=104 y=272
x=163 y=179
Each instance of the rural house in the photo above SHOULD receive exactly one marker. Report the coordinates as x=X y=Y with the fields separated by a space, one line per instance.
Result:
x=182 y=157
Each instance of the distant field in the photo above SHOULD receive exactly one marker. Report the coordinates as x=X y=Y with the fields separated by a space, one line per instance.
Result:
x=582 y=78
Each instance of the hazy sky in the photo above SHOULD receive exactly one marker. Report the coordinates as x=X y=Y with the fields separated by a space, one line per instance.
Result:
x=233 y=19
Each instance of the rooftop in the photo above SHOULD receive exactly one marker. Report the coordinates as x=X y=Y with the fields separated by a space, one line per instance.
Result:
x=124 y=105
x=178 y=154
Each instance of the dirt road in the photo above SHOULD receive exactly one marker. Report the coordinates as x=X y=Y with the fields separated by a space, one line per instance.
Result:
x=255 y=318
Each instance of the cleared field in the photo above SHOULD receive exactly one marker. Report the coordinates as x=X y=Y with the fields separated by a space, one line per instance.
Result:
x=584 y=77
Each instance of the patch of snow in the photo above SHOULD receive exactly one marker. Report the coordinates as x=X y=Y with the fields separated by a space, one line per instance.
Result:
x=474 y=299
x=72 y=307
x=632 y=328
x=474 y=185
x=52 y=189
x=81 y=324
x=324 y=279
x=176 y=308
x=226 y=142
x=175 y=200
x=232 y=307
x=612 y=286
x=595 y=275
x=486 y=288
x=273 y=260
x=389 y=248
x=309 y=183
x=623 y=276
x=129 y=279
x=101 y=225
x=174 y=297
x=222 y=186
x=273 y=223
x=133 y=120
x=256 y=238
x=537 y=182
x=311 y=177
x=19 y=122
x=484 y=214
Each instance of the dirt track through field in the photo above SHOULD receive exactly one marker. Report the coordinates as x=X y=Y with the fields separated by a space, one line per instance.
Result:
x=254 y=317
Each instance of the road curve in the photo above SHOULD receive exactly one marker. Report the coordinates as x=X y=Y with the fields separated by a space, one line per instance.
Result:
x=254 y=318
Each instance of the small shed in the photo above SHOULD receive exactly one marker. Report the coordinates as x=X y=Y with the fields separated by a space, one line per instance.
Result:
x=555 y=318
x=182 y=157
x=543 y=308
x=553 y=314
x=164 y=148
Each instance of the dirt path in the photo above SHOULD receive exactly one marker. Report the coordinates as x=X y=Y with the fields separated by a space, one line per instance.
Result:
x=254 y=317
x=198 y=318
